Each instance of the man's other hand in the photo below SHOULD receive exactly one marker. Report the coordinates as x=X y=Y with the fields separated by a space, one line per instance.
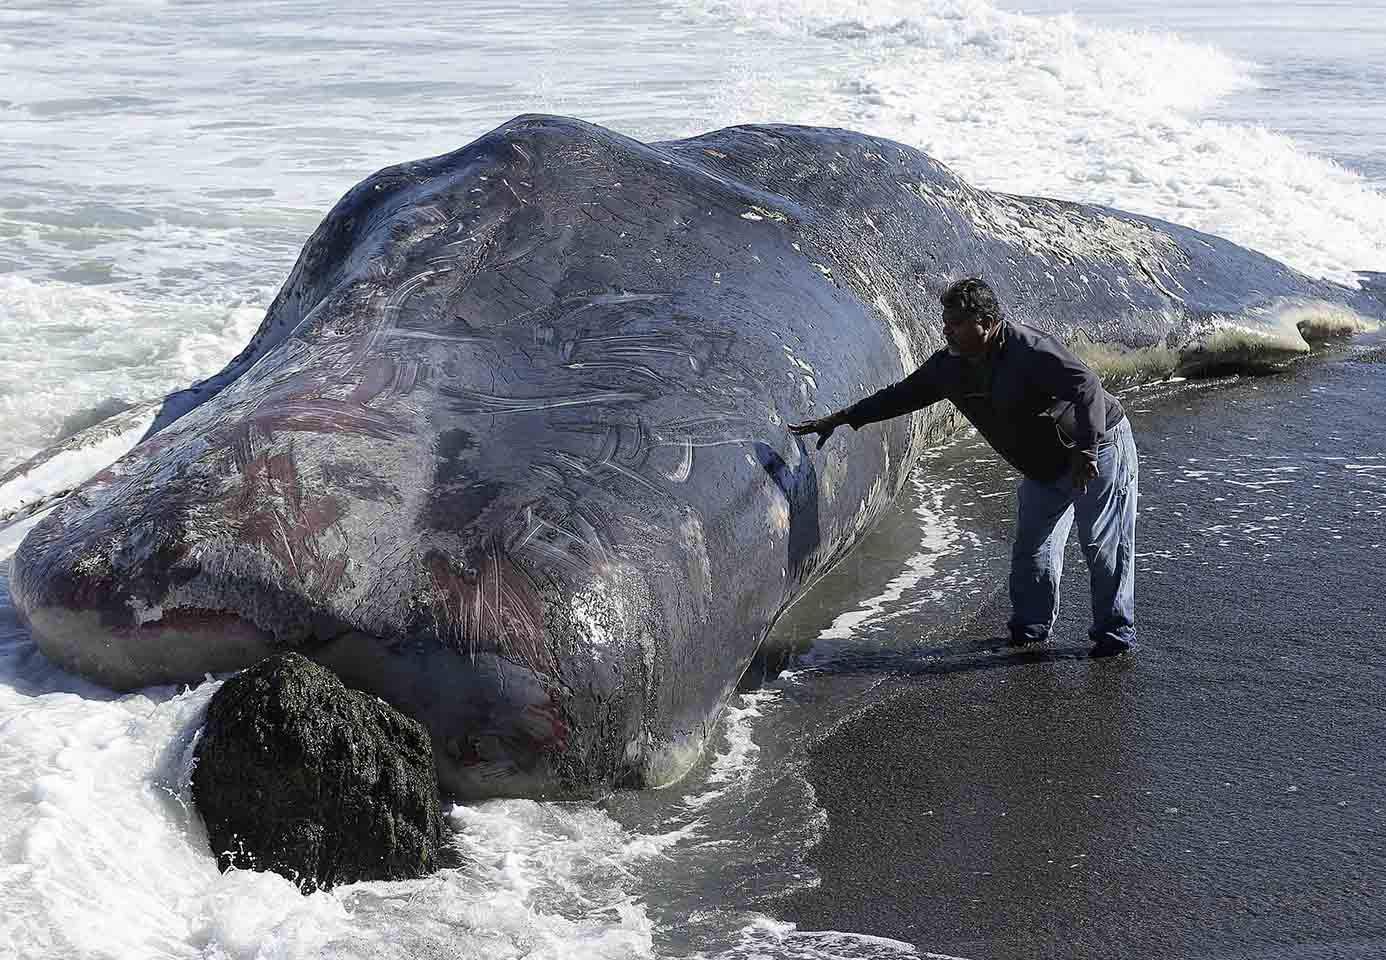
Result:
x=824 y=427
x=1084 y=471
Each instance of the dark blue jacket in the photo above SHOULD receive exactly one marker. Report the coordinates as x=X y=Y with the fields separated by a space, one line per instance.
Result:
x=1033 y=400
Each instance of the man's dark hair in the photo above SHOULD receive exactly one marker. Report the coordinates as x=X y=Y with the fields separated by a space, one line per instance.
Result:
x=972 y=296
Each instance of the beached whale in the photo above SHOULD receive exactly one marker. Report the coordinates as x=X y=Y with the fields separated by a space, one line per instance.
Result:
x=510 y=451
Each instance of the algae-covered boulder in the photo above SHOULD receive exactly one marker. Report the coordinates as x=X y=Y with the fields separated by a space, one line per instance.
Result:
x=297 y=774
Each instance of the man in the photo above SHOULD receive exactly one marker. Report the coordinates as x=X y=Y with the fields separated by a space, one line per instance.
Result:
x=1047 y=414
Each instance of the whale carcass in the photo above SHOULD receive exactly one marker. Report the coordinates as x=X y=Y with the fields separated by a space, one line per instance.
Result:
x=509 y=447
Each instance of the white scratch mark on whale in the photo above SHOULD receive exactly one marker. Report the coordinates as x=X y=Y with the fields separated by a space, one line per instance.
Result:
x=684 y=470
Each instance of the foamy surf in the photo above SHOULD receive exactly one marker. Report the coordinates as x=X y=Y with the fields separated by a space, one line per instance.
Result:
x=69 y=353
x=107 y=855
x=1052 y=106
x=48 y=476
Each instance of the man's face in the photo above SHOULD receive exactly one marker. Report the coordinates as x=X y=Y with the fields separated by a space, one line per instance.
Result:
x=965 y=332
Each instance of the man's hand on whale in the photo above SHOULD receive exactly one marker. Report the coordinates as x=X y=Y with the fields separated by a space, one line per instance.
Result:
x=1047 y=414
x=823 y=426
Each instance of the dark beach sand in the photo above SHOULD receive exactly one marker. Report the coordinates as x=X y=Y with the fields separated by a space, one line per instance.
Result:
x=1221 y=793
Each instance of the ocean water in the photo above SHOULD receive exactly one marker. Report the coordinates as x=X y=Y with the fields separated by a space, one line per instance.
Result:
x=161 y=165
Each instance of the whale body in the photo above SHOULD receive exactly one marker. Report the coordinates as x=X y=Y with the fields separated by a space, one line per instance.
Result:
x=509 y=449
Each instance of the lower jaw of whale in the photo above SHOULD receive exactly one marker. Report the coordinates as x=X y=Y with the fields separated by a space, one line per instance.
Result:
x=499 y=728
x=158 y=647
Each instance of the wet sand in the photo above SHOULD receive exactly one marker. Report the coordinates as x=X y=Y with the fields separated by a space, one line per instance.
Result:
x=1220 y=793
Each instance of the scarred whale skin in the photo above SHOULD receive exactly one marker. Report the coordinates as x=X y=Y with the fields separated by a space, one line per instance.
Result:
x=509 y=447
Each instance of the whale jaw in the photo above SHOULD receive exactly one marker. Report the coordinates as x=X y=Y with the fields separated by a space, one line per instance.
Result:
x=182 y=646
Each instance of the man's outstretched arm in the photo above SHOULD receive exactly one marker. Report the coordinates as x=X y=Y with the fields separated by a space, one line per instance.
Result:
x=915 y=392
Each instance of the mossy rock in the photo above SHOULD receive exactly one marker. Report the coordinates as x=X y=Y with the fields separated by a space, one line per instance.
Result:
x=297 y=774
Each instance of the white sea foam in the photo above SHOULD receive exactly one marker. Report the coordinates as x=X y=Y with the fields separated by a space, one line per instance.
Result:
x=40 y=482
x=65 y=348
x=766 y=938
x=1054 y=107
x=105 y=856
x=11 y=536
x=739 y=758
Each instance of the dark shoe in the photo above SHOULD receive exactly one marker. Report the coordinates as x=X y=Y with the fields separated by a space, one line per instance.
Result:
x=1110 y=647
x=1022 y=641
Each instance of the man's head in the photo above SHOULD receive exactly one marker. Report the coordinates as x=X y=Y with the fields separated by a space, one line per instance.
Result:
x=970 y=316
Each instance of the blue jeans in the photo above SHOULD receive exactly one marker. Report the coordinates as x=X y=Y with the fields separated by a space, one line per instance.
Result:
x=1106 y=515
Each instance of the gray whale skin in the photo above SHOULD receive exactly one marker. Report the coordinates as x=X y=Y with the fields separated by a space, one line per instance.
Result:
x=509 y=449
